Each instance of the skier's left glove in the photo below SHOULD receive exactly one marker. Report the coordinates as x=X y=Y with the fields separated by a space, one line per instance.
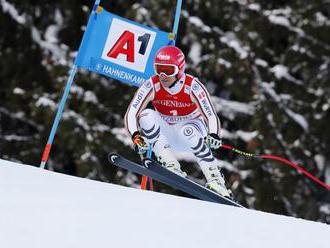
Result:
x=213 y=140
x=140 y=146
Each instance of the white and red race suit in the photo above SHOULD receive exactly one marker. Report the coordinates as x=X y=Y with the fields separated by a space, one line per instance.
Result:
x=186 y=101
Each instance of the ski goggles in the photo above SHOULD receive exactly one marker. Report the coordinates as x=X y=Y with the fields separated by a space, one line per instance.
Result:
x=167 y=69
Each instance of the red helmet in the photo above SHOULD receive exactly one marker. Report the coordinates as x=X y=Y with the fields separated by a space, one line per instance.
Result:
x=170 y=60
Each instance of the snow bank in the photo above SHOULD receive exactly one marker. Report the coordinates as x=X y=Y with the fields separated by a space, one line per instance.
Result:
x=40 y=208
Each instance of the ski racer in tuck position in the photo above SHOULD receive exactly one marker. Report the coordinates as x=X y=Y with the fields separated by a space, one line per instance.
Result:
x=184 y=118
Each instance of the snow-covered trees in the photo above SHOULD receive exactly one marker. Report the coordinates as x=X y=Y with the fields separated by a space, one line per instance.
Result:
x=265 y=62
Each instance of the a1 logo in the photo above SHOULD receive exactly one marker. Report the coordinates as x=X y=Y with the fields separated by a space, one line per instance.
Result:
x=128 y=45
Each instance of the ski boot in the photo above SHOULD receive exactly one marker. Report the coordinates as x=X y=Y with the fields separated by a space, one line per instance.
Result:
x=167 y=160
x=216 y=181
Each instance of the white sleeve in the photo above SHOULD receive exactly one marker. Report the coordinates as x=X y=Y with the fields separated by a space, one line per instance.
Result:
x=200 y=96
x=140 y=100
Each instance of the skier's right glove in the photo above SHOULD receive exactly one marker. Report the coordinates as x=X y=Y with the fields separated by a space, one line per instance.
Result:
x=140 y=146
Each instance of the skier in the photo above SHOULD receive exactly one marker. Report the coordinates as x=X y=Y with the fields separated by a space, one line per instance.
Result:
x=184 y=118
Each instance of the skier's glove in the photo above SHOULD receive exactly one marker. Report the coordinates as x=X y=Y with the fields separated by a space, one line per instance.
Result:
x=140 y=146
x=213 y=141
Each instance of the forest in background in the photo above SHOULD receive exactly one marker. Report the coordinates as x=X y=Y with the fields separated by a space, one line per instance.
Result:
x=265 y=62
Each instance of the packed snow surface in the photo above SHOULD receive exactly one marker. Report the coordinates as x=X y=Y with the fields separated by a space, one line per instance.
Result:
x=39 y=208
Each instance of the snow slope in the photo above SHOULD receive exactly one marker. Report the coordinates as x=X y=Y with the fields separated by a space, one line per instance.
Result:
x=39 y=208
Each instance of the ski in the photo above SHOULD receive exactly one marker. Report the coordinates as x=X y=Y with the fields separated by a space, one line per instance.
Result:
x=154 y=170
x=188 y=185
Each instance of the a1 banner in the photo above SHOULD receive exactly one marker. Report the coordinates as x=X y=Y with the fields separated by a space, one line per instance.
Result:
x=119 y=48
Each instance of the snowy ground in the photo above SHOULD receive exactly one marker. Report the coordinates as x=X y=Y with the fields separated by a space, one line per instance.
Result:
x=39 y=208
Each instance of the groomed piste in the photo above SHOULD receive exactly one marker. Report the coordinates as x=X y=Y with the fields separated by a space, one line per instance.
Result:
x=40 y=208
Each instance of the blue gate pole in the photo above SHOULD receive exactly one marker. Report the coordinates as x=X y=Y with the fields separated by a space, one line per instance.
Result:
x=57 y=118
x=73 y=72
x=176 y=20
x=96 y=4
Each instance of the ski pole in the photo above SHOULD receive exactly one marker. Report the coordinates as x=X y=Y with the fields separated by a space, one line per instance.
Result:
x=283 y=160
